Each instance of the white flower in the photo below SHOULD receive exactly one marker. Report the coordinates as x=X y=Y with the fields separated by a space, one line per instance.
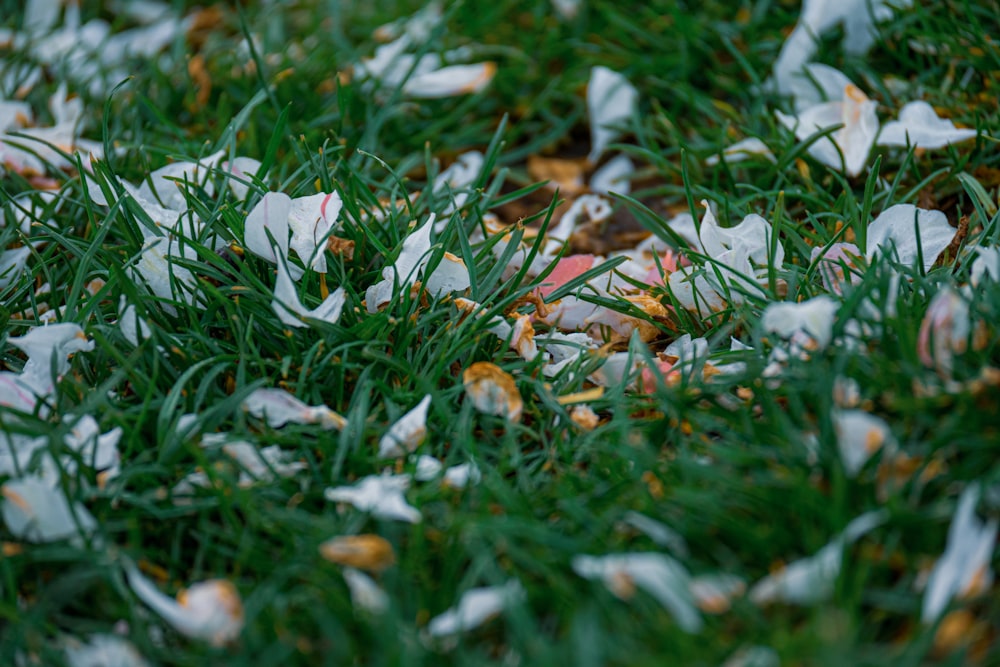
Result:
x=37 y=511
x=659 y=575
x=404 y=271
x=964 y=567
x=475 y=607
x=905 y=229
x=859 y=436
x=407 y=433
x=811 y=580
x=278 y=408
x=920 y=126
x=847 y=147
x=290 y=310
x=380 y=495
x=210 y=610
x=611 y=101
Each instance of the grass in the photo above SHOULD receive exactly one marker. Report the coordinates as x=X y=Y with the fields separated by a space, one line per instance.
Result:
x=744 y=468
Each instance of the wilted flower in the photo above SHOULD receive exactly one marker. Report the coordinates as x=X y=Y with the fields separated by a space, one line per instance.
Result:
x=210 y=610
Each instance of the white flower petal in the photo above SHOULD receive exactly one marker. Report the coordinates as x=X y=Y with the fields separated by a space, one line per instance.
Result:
x=744 y=149
x=412 y=258
x=613 y=177
x=450 y=81
x=407 y=433
x=808 y=325
x=964 y=567
x=859 y=436
x=381 y=495
x=657 y=574
x=278 y=408
x=451 y=275
x=475 y=607
x=811 y=580
x=102 y=651
x=311 y=220
x=37 y=511
x=919 y=125
x=210 y=610
x=269 y=215
x=905 y=228
x=611 y=101
x=365 y=593
x=290 y=310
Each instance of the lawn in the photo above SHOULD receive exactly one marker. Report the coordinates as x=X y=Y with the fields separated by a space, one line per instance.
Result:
x=510 y=333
